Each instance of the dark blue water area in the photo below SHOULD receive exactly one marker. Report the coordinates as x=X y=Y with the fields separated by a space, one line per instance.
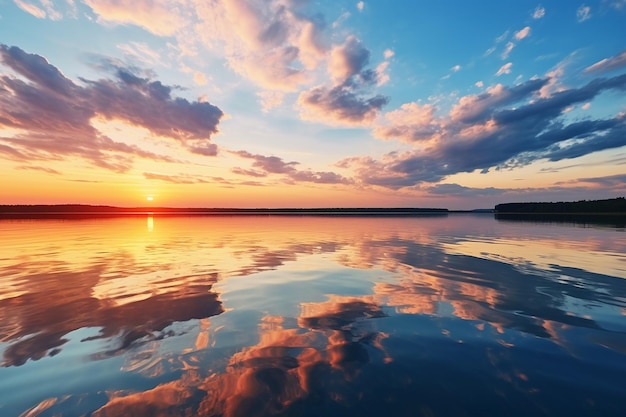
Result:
x=517 y=375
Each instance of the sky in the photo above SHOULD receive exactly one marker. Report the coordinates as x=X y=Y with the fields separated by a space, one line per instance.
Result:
x=296 y=103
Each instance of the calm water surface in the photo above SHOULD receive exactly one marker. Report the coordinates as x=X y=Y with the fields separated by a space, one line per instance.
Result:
x=460 y=315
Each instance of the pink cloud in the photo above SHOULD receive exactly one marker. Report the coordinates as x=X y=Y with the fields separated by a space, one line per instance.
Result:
x=347 y=60
x=412 y=122
x=264 y=165
x=504 y=69
x=270 y=42
x=160 y=17
x=523 y=33
x=30 y=9
x=55 y=113
x=507 y=50
x=608 y=64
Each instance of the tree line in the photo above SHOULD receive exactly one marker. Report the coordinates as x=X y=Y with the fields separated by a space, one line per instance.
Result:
x=613 y=206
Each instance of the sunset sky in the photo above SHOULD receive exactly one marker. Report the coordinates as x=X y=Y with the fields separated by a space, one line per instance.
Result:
x=295 y=103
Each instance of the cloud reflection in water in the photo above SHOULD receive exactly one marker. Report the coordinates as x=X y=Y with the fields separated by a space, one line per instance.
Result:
x=309 y=315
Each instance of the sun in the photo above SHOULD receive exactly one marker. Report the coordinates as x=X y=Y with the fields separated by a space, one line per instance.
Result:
x=149 y=198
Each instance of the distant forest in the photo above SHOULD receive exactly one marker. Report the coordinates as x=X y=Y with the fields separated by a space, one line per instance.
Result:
x=89 y=209
x=610 y=206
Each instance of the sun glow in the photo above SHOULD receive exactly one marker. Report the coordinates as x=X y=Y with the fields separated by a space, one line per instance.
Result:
x=149 y=198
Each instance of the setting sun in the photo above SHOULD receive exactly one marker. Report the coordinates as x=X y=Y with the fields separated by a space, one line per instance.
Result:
x=149 y=198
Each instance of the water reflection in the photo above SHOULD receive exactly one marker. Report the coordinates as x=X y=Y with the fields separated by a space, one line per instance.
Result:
x=244 y=316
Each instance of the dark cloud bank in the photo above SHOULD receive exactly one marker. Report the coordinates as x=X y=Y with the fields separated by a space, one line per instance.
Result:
x=518 y=135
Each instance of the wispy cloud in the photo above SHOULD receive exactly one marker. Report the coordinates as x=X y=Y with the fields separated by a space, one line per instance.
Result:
x=38 y=168
x=140 y=52
x=507 y=50
x=517 y=36
x=608 y=64
x=616 y=181
x=175 y=179
x=56 y=113
x=583 y=13
x=160 y=17
x=460 y=190
x=264 y=165
x=522 y=33
x=618 y=4
x=31 y=9
x=504 y=69
x=539 y=12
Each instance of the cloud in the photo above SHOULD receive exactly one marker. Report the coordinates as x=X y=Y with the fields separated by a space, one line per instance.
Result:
x=608 y=181
x=412 y=122
x=174 y=179
x=339 y=105
x=381 y=73
x=270 y=99
x=47 y=9
x=160 y=17
x=539 y=12
x=140 y=52
x=523 y=33
x=31 y=9
x=264 y=165
x=55 y=113
x=277 y=44
x=480 y=108
x=274 y=43
x=583 y=13
x=346 y=102
x=608 y=64
x=38 y=168
x=269 y=164
x=517 y=36
x=388 y=54
x=479 y=84
x=360 y=5
x=459 y=190
x=502 y=37
x=455 y=68
x=504 y=69
x=250 y=172
x=347 y=60
x=503 y=128
x=618 y=4
x=507 y=50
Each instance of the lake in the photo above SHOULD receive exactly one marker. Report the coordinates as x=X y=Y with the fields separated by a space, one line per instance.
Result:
x=457 y=315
